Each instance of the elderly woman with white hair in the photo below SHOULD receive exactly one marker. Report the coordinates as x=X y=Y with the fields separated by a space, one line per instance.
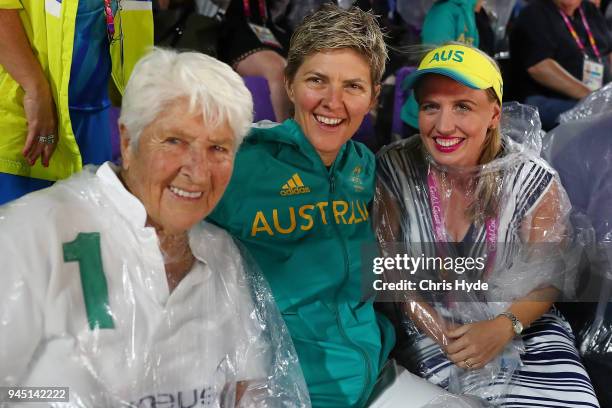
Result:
x=113 y=289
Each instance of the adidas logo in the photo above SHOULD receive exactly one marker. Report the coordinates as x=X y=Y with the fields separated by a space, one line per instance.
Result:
x=294 y=186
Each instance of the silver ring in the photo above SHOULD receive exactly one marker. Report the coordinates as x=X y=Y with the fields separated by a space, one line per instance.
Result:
x=49 y=139
x=467 y=363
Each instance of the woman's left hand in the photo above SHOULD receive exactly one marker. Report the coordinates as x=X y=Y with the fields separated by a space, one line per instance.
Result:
x=474 y=345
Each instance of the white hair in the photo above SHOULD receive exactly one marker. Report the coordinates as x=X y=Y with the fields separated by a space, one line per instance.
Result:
x=163 y=75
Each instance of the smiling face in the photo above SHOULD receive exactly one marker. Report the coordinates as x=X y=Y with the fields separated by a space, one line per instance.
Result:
x=180 y=168
x=332 y=92
x=454 y=120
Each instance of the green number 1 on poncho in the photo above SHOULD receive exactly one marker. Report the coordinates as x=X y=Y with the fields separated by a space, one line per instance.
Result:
x=85 y=250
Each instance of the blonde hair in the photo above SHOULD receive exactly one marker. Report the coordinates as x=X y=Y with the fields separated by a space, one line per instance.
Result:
x=486 y=202
x=333 y=28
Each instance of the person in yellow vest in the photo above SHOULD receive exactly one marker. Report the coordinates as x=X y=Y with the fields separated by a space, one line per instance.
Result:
x=57 y=58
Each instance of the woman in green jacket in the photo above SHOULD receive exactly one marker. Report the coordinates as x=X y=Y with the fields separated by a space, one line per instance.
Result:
x=299 y=200
x=451 y=20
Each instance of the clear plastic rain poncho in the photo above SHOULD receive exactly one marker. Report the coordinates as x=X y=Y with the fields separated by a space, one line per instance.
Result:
x=500 y=11
x=581 y=151
x=85 y=304
x=517 y=240
x=413 y=12
x=595 y=103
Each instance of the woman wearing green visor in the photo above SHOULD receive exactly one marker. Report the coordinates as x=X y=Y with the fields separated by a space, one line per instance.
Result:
x=463 y=191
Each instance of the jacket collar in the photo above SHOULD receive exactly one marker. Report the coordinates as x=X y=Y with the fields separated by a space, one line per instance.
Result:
x=130 y=207
x=290 y=133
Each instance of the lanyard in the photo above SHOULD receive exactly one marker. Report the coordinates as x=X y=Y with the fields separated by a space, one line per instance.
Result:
x=438 y=224
x=572 y=31
x=110 y=20
x=262 y=9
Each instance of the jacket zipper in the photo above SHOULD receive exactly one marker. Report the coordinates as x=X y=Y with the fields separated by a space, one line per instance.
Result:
x=363 y=397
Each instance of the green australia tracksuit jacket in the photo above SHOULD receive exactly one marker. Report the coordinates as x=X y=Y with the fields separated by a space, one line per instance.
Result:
x=305 y=225
x=451 y=20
